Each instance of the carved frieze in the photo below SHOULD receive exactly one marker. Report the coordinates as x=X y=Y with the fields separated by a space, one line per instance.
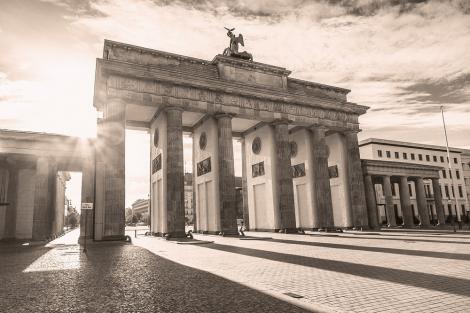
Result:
x=229 y=99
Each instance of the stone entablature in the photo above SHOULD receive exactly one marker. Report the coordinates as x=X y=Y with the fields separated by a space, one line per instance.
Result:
x=391 y=168
x=149 y=77
x=67 y=151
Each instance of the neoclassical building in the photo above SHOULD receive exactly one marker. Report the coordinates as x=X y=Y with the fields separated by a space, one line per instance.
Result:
x=413 y=181
x=33 y=173
x=301 y=164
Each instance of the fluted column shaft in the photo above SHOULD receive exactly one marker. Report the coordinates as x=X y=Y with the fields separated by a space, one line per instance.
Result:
x=246 y=215
x=112 y=151
x=438 y=200
x=389 y=209
x=44 y=200
x=371 y=202
x=421 y=199
x=323 y=210
x=88 y=188
x=175 y=173
x=356 y=182
x=227 y=193
x=405 y=202
x=11 y=209
x=284 y=176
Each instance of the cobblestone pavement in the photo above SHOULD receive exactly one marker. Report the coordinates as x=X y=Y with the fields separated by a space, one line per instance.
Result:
x=116 y=277
x=348 y=272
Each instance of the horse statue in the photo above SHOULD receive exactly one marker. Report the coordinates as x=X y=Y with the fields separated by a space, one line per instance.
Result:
x=232 y=50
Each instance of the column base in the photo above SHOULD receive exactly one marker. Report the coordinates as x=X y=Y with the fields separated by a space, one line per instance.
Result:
x=113 y=238
x=328 y=229
x=81 y=240
x=288 y=231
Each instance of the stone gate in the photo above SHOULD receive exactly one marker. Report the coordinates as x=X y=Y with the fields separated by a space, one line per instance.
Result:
x=301 y=163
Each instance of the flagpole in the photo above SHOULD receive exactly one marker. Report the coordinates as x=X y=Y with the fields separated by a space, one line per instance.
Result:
x=449 y=163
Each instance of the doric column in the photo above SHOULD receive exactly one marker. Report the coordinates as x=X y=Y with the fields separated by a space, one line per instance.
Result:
x=389 y=209
x=194 y=184
x=321 y=180
x=421 y=200
x=438 y=200
x=42 y=200
x=10 y=214
x=284 y=176
x=227 y=193
x=246 y=215
x=405 y=202
x=113 y=150
x=371 y=202
x=175 y=172
x=88 y=196
x=356 y=182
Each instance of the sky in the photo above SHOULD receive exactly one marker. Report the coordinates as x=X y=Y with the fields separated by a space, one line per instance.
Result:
x=403 y=59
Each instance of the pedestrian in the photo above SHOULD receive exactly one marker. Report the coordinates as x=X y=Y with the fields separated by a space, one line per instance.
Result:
x=240 y=231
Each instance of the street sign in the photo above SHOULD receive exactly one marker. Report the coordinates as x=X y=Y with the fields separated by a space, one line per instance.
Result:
x=87 y=206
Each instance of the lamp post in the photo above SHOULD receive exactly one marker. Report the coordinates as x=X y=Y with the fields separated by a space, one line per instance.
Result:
x=449 y=163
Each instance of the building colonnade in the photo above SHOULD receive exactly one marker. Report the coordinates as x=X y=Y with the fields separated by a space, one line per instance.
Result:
x=396 y=173
x=268 y=177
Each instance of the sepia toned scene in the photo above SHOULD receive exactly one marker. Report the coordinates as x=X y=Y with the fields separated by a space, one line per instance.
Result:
x=234 y=156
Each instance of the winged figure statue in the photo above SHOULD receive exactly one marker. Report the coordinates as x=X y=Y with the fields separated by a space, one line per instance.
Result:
x=232 y=50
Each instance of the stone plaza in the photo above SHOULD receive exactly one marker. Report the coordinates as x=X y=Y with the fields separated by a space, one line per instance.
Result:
x=349 y=272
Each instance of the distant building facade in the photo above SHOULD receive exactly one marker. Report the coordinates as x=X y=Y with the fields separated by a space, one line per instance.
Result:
x=454 y=184
x=140 y=206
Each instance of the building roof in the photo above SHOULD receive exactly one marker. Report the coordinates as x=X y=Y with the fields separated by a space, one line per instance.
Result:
x=393 y=168
x=408 y=145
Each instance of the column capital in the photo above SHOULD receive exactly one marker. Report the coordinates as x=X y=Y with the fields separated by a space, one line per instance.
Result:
x=280 y=121
x=319 y=129
x=219 y=115
x=172 y=107
x=351 y=131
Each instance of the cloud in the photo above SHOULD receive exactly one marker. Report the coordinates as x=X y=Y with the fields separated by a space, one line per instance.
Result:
x=404 y=59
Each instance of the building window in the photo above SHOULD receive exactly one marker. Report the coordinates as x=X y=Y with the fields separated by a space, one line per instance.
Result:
x=405 y=156
x=394 y=193
x=442 y=159
x=379 y=153
x=388 y=154
x=455 y=160
x=444 y=174
x=428 y=158
x=450 y=173
x=434 y=158
x=453 y=191
x=427 y=189
x=457 y=174
x=397 y=155
x=412 y=156
x=460 y=192
x=420 y=157
x=446 y=188
x=410 y=190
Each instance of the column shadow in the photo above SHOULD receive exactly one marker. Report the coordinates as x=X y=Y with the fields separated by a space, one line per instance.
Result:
x=397 y=239
x=457 y=286
x=431 y=254
x=116 y=277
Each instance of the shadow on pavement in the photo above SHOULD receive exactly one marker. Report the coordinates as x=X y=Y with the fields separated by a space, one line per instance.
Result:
x=457 y=286
x=431 y=254
x=408 y=238
x=123 y=278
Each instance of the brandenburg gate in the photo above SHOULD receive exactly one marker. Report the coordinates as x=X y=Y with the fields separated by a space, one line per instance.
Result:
x=301 y=163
